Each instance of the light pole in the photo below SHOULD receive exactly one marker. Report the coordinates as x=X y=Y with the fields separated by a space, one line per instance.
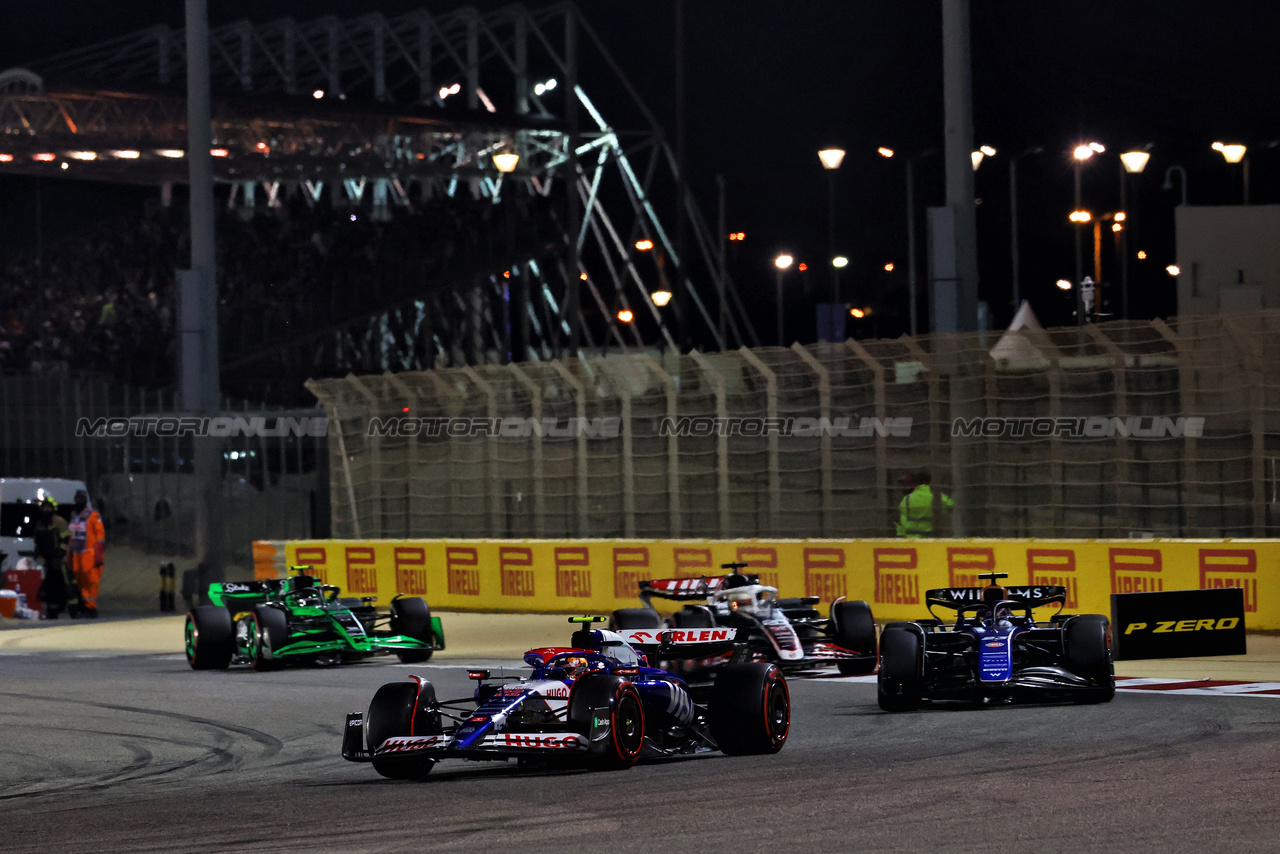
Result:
x=782 y=262
x=1080 y=218
x=912 y=284
x=831 y=159
x=1236 y=153
x=1132 y=163
x=1013 y=222
x=1080 y=154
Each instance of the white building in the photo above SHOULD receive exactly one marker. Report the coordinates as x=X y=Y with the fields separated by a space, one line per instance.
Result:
x=1228 y=258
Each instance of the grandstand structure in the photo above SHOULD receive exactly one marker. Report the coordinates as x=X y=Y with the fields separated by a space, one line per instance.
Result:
x=383 y=116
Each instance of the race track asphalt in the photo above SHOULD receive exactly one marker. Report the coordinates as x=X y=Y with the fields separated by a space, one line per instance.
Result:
x=117 y=751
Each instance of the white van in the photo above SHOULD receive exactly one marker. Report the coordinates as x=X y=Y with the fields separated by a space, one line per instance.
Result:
x=20 y=498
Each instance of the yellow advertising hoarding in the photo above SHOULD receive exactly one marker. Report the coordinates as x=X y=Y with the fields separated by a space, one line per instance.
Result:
x=892 y=574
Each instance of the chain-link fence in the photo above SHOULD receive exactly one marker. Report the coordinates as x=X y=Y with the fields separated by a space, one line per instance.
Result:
x=1116 y=429
x=120 y=440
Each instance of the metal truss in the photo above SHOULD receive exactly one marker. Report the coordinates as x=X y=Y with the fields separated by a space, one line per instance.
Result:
x=413 y=108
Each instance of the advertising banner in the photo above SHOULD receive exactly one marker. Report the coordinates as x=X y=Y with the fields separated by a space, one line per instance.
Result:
x=1178 y=624
x=891 y=574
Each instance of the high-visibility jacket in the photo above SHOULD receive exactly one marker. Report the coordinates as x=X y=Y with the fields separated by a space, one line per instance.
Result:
x=915 y=511
x=87 y=534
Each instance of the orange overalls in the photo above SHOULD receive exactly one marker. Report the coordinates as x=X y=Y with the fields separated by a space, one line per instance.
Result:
x=87 y=551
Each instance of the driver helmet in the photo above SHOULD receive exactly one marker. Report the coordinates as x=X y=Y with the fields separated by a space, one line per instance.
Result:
x=574 y=666
x=737 y=579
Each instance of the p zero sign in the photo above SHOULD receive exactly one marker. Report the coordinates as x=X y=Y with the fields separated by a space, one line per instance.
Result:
x=1178 y=624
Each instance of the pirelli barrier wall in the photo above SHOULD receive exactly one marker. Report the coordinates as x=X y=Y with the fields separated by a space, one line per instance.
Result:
x=891 y=574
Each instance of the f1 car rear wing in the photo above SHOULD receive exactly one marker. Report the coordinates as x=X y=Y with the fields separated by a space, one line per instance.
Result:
x=965 y=598
x=961 y=599
x=242 y=592
x=671 y=644
x=1032 y=597
x=686 y=589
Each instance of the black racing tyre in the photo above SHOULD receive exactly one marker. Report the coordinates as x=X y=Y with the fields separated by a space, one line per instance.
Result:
x=1086 y=644
x=602 y=697
x=210 y=638
x=635 y=618
x=397 y=709
x=853 y=627
x=749 y=709
x=412 y=618
x=899 y=687
x=692 y=618
x=268 y=631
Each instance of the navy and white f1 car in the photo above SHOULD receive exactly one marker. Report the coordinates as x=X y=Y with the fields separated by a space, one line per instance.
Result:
x=788 y=632
x=596 y=703
x=995 y=651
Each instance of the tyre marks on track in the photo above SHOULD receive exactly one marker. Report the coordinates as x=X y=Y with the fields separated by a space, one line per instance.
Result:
x=214 y=747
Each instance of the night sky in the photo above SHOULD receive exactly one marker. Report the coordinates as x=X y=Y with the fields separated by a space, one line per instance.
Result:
x=771 y=81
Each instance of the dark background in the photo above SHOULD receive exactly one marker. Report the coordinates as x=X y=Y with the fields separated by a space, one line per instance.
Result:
x=769 y=82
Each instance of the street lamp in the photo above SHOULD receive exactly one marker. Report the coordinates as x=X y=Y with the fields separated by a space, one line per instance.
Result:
x=1132 y=163
x=1236 y=153
x=976 y=156
x=831 y=159
x=1168 y=180
x=506 y=162
x=782 y=262
x=1082 y=152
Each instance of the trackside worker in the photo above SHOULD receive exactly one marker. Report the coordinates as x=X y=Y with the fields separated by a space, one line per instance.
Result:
x=88 y=548
x=58 y=589
x=921 y=506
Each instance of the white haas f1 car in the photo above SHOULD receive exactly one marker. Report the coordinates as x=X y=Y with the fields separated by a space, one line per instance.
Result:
x=787 y=632
x=596 y=702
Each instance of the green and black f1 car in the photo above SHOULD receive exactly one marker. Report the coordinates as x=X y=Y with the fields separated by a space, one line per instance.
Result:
x=299 y=620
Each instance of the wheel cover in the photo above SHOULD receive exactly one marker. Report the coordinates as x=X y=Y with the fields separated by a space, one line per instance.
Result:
x=777 y=710
x=255 y=643
x=628 y=725
x=192 y=638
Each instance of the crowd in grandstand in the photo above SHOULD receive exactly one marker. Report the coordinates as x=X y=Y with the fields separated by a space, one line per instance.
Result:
x=106 y=301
